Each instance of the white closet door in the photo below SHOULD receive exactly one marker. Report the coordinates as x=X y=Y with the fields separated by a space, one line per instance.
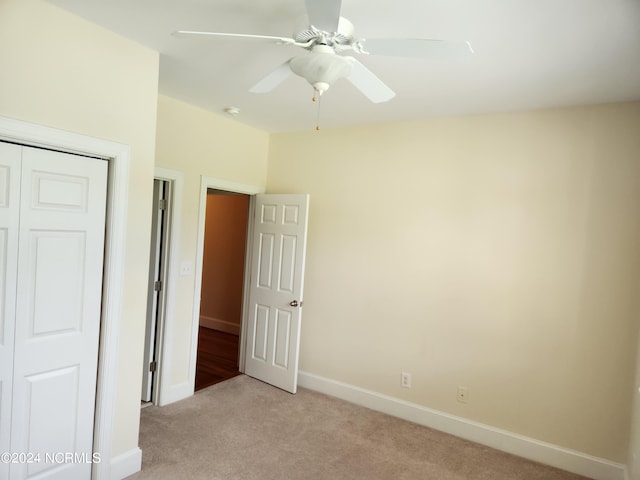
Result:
x=9 y=209
x=59 y=289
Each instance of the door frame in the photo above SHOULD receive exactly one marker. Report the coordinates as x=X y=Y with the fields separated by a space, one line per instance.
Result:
x=161 y=394
x=118 y=156
x=225 y=185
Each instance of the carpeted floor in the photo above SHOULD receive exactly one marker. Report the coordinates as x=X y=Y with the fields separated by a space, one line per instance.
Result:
x=243 y=429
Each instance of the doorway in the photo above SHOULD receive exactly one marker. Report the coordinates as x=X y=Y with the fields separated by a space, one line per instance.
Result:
x=222 y=291
x=283 y=212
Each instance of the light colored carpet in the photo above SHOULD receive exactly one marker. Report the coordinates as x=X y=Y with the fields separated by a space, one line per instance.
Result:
x=244 y=429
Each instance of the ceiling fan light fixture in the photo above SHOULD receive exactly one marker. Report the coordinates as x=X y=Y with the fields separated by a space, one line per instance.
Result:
x=322 y=67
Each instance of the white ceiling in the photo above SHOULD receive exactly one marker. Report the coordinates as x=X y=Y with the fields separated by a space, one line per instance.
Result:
x=529 y=54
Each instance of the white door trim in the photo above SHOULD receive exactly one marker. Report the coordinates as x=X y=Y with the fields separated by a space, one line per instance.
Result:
x=218 y=184
x=162 y=394
x=118 y=156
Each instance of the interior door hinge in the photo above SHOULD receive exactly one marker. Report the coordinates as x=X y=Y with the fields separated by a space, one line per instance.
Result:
x=157 y=286
x=162 y=204
x=153 y=366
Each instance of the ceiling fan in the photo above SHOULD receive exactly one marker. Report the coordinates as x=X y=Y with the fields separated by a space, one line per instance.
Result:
x=326 y=36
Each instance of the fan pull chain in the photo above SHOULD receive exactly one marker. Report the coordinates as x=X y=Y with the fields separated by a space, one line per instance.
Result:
x=316 y=98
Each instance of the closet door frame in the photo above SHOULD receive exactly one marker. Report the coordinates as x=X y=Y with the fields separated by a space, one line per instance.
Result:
x=118 y=156
x=10 y=166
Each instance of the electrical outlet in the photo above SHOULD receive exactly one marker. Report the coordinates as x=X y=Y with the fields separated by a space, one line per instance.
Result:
x=405 y=381
x=463 y=394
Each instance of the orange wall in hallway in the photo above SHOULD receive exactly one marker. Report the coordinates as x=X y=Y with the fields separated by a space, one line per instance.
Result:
x=224 y=252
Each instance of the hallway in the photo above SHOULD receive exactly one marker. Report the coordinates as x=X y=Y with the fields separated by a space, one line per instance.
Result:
x=217 y=357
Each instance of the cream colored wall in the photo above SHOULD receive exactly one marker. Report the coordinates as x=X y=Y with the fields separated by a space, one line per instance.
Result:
x=199 y=143
x=63 y=72
x=496 y=252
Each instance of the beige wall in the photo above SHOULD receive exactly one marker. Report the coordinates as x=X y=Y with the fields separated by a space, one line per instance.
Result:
x=497 y=252
x=63 y=72
x=199 y=143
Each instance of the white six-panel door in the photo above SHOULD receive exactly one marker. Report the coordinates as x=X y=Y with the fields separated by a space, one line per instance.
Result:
x=275 y=296
x=57 y=313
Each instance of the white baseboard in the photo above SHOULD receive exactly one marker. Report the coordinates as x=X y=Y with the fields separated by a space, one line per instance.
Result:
x=542 y=452
x=126 y=464
x=219 y=324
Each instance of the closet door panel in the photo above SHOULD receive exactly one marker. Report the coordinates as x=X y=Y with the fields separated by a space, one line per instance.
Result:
x=59 y=289
x=10 y=159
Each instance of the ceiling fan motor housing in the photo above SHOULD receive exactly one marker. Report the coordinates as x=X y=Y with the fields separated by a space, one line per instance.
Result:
x=306 y=32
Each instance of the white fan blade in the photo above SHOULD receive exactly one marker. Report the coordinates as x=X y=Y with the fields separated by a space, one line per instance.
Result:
x=324 y=14
x=273 y=79
x=370 y=85
x=239 y=35
x=416 y=47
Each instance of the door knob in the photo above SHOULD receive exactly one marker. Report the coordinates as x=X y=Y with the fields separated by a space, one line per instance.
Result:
x=293 y=303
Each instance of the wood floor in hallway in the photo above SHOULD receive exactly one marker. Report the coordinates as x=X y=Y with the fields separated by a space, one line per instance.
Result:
x=217 y=357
